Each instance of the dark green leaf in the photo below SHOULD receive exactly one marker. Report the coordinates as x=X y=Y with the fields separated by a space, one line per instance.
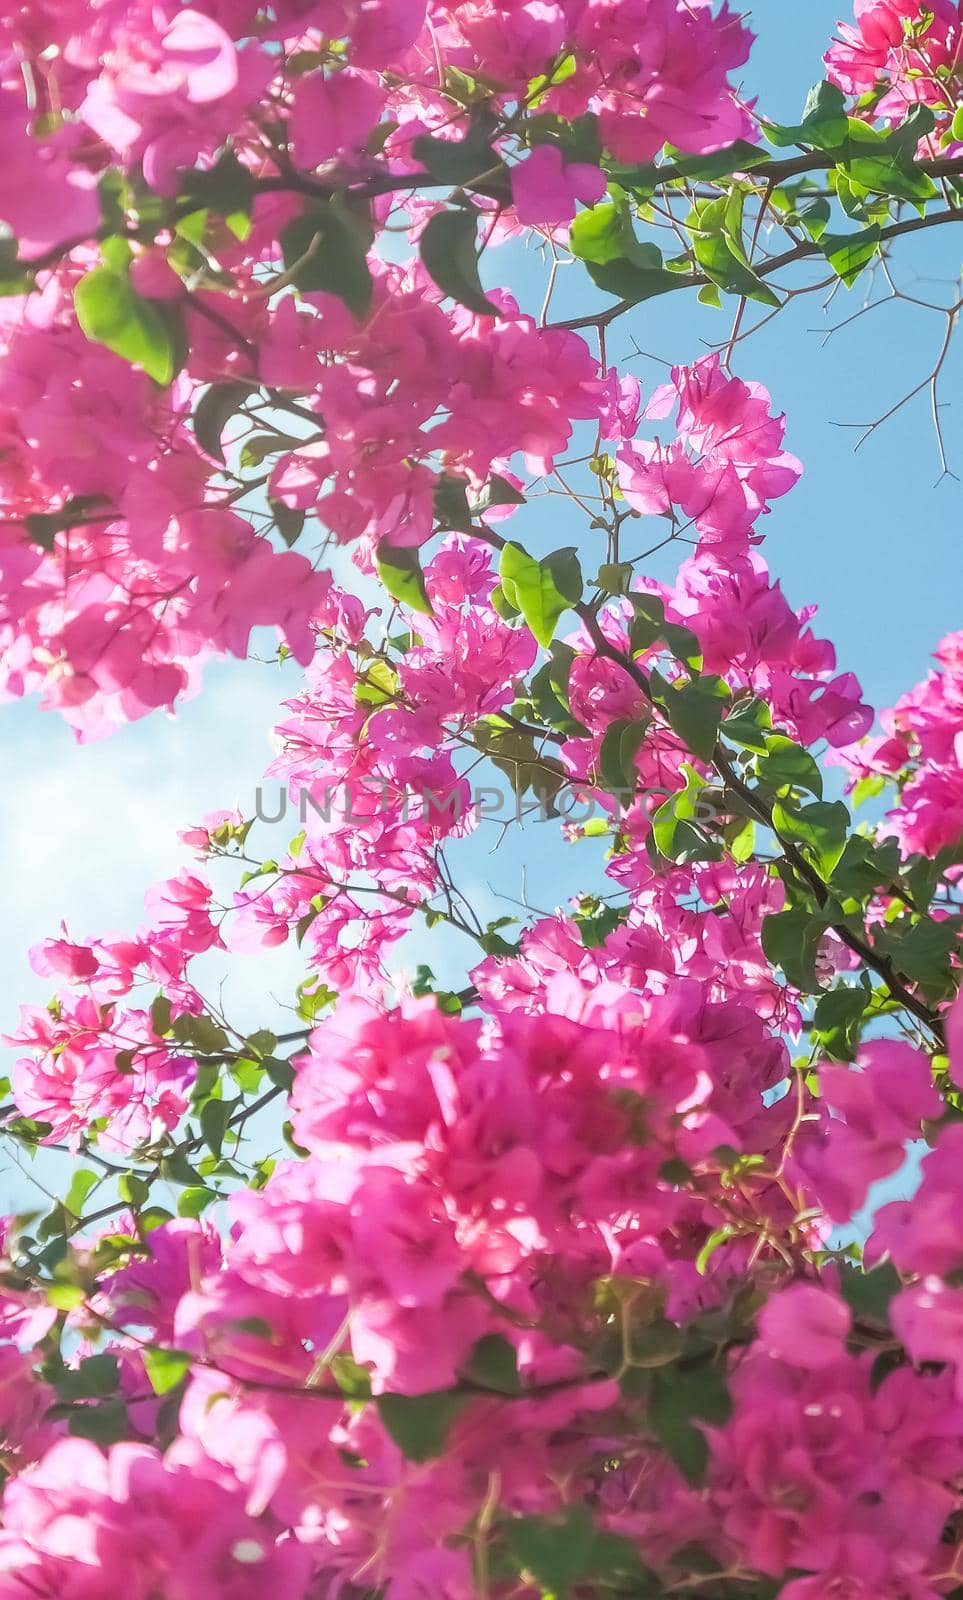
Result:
x=718 y=249
x=213 y=412
x=449 y=257
x=868 y=1294
x=451 y=509
x=557 y=1553
x=694 y=710
x=865 y=865
x=289 y=520
x=628 y=282
x=750 y=726
x=493 y=1364
x=227 y=187
x=327 y=252
x=617 y=754
x=923 y=951
x=681 y=1398
x=825 y=124
x=419 y=1423
x=786 y=765
x=215 y=1116
x=888 y=176
x=820 y=829
x=105 y=1424
x=738 y=157
x=790 y=940
x=466 y=163
x=837 y=1019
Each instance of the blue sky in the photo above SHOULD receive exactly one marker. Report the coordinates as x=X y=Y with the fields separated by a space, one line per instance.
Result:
x=85 y=829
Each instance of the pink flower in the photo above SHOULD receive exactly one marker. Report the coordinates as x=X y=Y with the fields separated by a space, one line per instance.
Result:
x=545 y=187
x=806 y=1326
x=332 y=116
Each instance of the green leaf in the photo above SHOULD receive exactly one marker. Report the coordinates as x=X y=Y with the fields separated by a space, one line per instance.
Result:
x=289 y=520
x=681 y=1398
x=419 y=1423
x=191 y=1202
x=111 y=313
x=557 y=1553
x=886 y=175
x=65 y=1296
x=105 y=1424
x=213 y=412
x=820 y=829
x=165 y=1368
x=695 y=709
x=215 y=1116
x=678 y=830
x=738 y=157
x=227 y=187
x=825 y=125
x=750 y=726
x=865 y=865
x=449 y=257
x=493 y=1364
x=353 y=1380
x=915 y=126
x=790 y=939
x=540 y=590
x=837 y=1019
x=133 y=1190
x=923 y=950
x=604 y=233
x=94 y=1378
x=715 y=226
x=451 y=509
x=160 y=1016
x=400 y=571
x=786 y=765
x=464 y=163
x=614 y=577
x=868 y=1294
x=629 y=282
x=326 y=252
x=849 y=253
x=617 y=754
x=500 y=492
x=515 y=753
x=81 y=1184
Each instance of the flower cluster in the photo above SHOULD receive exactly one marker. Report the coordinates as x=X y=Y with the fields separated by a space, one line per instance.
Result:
x=902 y=53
